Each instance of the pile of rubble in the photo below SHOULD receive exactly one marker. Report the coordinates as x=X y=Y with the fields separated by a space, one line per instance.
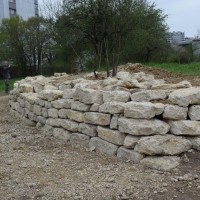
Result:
x=132 y=116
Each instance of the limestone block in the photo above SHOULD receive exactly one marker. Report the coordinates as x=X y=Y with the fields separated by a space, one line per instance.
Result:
x=69 y=125
x=114 y=122
x=165 y=163
x=45 y=112
x=28 y=106
x=94 y=107
x=88 y=96
x=127 y=154
x=47 y=130
x=79 y=140
x=185 y=127
x=61 y=103
x=185 y=97
x=103 y=146
x=68 y=93
x=139 y=127
x=47 y=104
x=75 y=115
x=195 y=143
x=32 y=116
x=112 y=107
x=53 y=113
x=125 y=76
x=148 y=95
x=194 y=112
x=62 y=134
x=50 y=87
x=21 y=102
x=41 y=120
x=175 y=112
x=79 y=106
x=112 y=136
x=50 y=95
x=130 y=141
x=37 y=110
x=182 y=84
x=62 y=113
x=25 y=88
x=40 y=102
x=118 y=96
x=87 y=129
x=54 y=122
x=64 y=87
x=143 y=110
x=97 y=118
x=163 y=145
x=30 y=97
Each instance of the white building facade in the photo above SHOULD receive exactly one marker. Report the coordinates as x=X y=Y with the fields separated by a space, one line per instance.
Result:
x=22 y=8
x=176 y=37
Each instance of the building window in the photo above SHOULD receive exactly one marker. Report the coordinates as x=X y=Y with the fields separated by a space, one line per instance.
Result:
x=12 y=1
x=12 y=12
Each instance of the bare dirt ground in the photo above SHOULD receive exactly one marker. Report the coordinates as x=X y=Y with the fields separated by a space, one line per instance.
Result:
x=40 y=167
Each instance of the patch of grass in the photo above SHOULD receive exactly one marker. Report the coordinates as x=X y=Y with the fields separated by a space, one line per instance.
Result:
x=11 y=83
x=188 y=69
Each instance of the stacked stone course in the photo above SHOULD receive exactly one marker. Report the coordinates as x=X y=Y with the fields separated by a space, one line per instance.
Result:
x=132 y=116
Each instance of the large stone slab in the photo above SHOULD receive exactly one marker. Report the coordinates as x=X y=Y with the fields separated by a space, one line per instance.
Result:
x=194 y=112
x=103 y=146
x=79 y=140
x=50 y=95
x=175 y=112
x=54 y=122
x=139 y=127
x=68 y=93
x=112 y=107
x=127 y=154
x=118 y=96
x=75 y=115
x=185 y=127
x=25 y=88
x=112 y=136
x=148 y=95
x=53 y=113
x=163 y=145
x=195 y=143
x=143 y=110
x=185 y=97
x=88 y=96
x=88 y=129
x=62 y=134
x=62 y=113
x=97 y=118
x=62 y=103
x=69 y=125
x=165 y=163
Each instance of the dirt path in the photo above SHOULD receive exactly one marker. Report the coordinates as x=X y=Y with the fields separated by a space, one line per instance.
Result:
x=35 y=166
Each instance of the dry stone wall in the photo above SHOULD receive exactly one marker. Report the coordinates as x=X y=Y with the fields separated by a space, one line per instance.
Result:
x=132 y=116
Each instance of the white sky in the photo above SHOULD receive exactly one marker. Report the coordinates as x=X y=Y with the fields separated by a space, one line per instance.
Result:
x=183 y=15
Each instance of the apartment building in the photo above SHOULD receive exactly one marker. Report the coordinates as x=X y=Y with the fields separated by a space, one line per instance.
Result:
x=176 y=37
x=23 y=8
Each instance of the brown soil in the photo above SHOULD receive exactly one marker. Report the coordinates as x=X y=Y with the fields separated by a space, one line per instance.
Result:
x=40 y=167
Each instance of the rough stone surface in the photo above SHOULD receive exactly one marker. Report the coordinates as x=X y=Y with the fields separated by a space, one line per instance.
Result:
x=87 y=129
x=62 y=134
x=185 y=127
x=68 y=93
x=143 y=110
x=195 y=143
x=37 y=110
x=25 y=88
x=114 y=122
x=69 y=125
x=61 y=103
x=62 y=113
x=103 y=146
x=79 y=140
x=94 y=107
x=50 y=95
x=79 y=106
x=148 y=95
x=165 y=163
x=139 y=127
x=53 y=113
x=112 y=107
x=174 y=112
x=127 y=154
x=41 y=120
x=194 y=112
x=97 y=118
x=119 y=96
x=112 y=136
x=163 y=145
x=185 y=97
x=53 y=122
x=75 y=115
x=130 y=141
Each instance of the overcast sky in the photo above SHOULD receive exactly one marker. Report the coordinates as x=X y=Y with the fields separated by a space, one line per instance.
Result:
x=183 y=15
